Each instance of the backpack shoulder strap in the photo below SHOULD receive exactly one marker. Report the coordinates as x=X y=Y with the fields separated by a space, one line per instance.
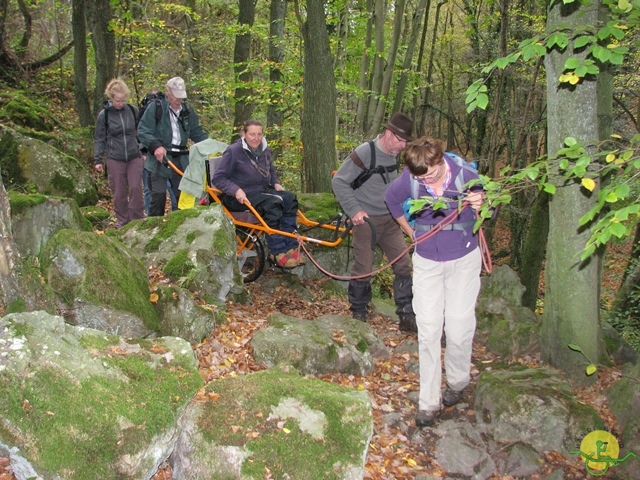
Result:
x=106 y=119
x=158 y=109
x=458 y=160
x=135 y=116
x=358 y=161
x=415 y=185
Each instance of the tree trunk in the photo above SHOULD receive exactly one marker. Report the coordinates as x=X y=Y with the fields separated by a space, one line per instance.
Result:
x=572 y=288
x=319 y=102
x=378 y=63
x=363 y=100
x=104 y=46
x=534 y=250
x=418 y=15
x=81 y=96
x=275 y=115
x=381 y=102
x=241 y=57
x=427 y=89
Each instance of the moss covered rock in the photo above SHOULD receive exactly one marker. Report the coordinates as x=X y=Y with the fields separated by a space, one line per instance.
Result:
x=36 y=218
x=327 y=344
x=195 y=248
x=99 y=283
x=275 y=421
x=82 y=404
x=50 y=171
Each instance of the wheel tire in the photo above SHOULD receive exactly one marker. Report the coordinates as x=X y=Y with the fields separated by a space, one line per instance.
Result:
x=251 y=257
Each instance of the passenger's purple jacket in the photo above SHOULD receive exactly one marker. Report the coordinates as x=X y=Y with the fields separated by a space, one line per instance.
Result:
x=235 y=170
x=446 y=245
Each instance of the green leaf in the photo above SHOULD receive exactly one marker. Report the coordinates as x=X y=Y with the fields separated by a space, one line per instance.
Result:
x=618 y=229
x=591 y=369
x=483 y=101
x=572 y=63
x=550 y=188
x=582 y=40
x=574 y=347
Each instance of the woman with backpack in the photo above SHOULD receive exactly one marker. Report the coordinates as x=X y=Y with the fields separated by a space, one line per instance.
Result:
x=115 y=137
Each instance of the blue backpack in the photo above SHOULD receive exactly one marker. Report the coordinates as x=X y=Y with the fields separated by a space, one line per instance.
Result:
x=458 y=182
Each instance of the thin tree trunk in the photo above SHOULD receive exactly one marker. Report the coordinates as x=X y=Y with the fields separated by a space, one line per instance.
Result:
x=81 y=96
x=381 y=107
x=241 y=57
x=275 y=115
x=534 y=249
x=378 y=63
x=408 y=56
x=9 y=257
x=427 y=91
x=363 y=100
x=104 y=46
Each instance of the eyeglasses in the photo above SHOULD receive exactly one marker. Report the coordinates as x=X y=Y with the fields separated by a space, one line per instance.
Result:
x=399 y=138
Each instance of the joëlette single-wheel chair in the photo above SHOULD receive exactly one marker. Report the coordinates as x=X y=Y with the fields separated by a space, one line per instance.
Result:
x=249 y=224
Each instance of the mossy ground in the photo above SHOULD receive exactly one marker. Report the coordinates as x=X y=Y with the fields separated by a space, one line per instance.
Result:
x=75 y=429
x=245 y=404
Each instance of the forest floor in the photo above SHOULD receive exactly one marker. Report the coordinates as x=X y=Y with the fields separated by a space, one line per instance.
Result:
x=391 y=454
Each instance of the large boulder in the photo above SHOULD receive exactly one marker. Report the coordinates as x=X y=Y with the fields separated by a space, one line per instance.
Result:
x=36 y=218
x=328 y=344
x=534 y=406
x=99 y=284
x=274 y=424
x=79 y=403
x=195 y=247
x=505 y=327
x=49 y=170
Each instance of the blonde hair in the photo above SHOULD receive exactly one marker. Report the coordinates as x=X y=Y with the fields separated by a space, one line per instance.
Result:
x=116 y=86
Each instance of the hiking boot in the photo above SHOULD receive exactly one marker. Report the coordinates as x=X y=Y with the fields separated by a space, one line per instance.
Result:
x=362 y=316
x=451 y=397
x=407 y=323
x=283 y=260
x=297 y=256
x=425 y=418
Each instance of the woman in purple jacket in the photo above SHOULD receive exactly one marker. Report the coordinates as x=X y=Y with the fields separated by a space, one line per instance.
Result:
x=246 y=174
x=446 y=270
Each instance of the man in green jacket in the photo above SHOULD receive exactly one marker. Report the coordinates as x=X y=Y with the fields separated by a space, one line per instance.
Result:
x=166 y=136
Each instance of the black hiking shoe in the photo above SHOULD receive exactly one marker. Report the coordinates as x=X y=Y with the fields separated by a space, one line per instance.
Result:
x=451 y=397
x=425 y=418
x=408 y=323
x=362 y=316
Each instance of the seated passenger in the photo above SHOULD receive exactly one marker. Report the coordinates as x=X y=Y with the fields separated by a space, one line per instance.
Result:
x=246 y=175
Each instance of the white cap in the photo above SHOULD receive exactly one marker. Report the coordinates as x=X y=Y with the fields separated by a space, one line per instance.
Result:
x=176 y=85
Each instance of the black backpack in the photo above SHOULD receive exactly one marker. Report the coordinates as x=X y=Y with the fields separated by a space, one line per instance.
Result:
x=367 y=173
x=156 y=97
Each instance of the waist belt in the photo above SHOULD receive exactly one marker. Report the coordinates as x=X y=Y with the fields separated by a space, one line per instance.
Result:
x=460 y=226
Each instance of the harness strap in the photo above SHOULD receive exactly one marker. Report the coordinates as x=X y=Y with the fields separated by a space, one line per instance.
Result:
x=461 y=226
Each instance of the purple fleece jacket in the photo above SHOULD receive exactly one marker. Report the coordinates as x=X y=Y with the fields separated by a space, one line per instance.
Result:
x=446 y=245
x=235 y=170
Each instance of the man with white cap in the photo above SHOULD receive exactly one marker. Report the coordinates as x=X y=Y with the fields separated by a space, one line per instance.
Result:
x=167 y=135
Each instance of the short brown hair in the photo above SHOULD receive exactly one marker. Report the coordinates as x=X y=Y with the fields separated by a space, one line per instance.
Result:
x=249 y=123
x=421 y=154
